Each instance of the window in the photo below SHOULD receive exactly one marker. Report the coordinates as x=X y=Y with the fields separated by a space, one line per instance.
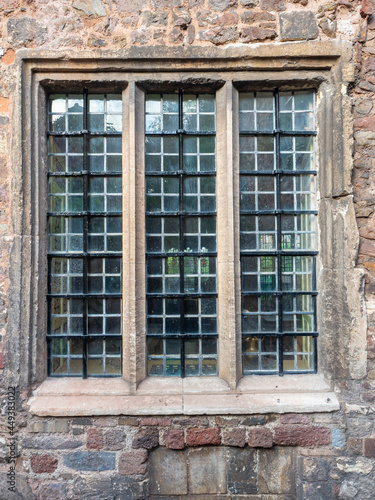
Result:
x=278 y=231
x=84 y=234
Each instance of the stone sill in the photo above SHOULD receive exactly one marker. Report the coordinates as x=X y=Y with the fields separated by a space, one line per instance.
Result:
x=71 y=397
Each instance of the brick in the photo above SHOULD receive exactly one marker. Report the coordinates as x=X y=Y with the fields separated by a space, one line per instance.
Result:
x=148 y=439
x=157 y=421
x=94 y=439
x=302 y=436
x=203 y=437
x=114 y=439
x=41 y=464
x=8 y=57
x=190 y=422
x=298 y=26
x=355 y=446
x=133 y=462
x=235 y=437
x=4 y=105
x=260 y=438
x=90 y=460
x=174 y=439
x=294 y=418
x=369 y=447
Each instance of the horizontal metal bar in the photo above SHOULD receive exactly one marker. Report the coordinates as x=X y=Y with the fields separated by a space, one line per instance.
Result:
x=178 y=132
x=77 y=255
x=282 y=172
x=295 y=253
x=181 y=254
x=281 y=132
x=84 y=295
x=277 y=334
x=82 y=214
x=177 y=173
x=180 y=295
x=182 y=336
x=278 y=211
x=81 y=133
x=83 y=173
x=101 y=375
x=279 y=292
x=103 y=336
x=188 y=214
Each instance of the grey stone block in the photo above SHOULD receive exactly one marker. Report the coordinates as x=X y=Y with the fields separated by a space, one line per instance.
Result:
x=298 y=26
x=51 y=443
x=90 y=460
x=207 y=470
x=276 y=468
x=242 y=471
x=168 y=472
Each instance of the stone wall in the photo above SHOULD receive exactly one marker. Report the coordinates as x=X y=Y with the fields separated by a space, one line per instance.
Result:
x=265 y=457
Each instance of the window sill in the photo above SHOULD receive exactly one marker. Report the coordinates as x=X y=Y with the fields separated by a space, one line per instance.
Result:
x=70 y=397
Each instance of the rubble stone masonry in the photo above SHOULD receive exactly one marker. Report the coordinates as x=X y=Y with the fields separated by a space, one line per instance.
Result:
x=311 y=456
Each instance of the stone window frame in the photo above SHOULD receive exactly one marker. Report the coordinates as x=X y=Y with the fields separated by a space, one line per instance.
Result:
x=328 y=67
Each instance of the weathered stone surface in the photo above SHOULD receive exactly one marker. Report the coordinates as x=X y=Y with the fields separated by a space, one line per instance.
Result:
x=242 y=471
x=221 y=5
x=338 y=438
x=234 y=437
x=168 y=472
x=41 y=464
x=253 y=34
x=369 y=448
x=93 y=8
x=115 y=487
x=8 y=6
x=203 y=437
x=355 y=446
x=254 y=16
x=219 y=35
x=51 y=443
x=49 y=426
x=294 y=418
x=24 y=31
x=302 y=436
x=318 y=491
x=148 y=439
x=255 y=420
x=154 y=18
x=126 y=6
x=315 y=469
x=155 y=421
x=23 y=489
x=206 y=471
x=276 y=471
x=260 y=438
x=174 y=439
x=52 y=491
x=298 y=26
x=114 y=439
x=82 y=421
x=367 y=8
x=133 y=462
x=90 y=460
x=94 y=439
x=273 y=5
x=328 y=27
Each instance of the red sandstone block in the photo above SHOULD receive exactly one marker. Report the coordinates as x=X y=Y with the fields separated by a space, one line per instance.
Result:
x=43 y=464
x=355 y=446
x=133 y=462
x=94 y=439
x=203 y=437
x=160 y=422
x=367 y=8
x=148 y=438
x=1 y=360
x=260 y=438
x=370 y=447
x=235 y=437
x=294 y=418
x=302 y=436
x=174 y=439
